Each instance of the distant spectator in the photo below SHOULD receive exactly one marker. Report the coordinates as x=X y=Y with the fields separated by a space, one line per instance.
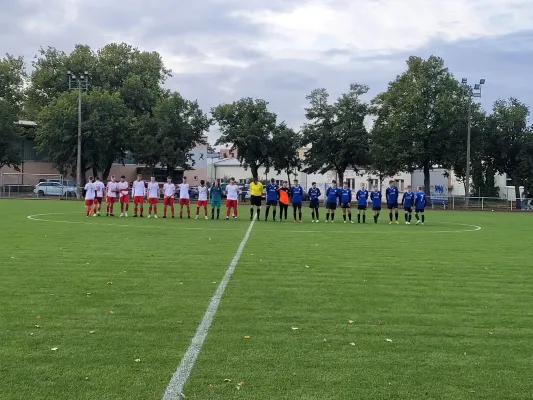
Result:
x=524 y=201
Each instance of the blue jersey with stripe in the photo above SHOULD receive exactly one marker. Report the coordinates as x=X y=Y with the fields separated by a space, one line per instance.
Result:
x=420 y=200
x=391 y=194
x=314 y=193
x=346 y=196
x=332 y=194
x=408 y=199
x=362 y=197
x=297 y=193
x=375 y=196
x=272 y=191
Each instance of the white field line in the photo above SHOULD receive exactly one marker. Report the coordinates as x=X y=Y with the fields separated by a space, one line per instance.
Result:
x=36 y=217
x=180 y=377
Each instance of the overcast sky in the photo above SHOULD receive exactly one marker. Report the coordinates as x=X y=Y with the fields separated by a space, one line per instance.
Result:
x=279 y=50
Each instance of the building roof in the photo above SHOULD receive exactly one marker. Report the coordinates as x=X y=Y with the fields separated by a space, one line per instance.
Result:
x=227 y=162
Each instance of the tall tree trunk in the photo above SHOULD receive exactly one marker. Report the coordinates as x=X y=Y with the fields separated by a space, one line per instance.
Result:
x=107 y=169
x=427 y=178
x=289 y=176
x=340 y=175
x=255 y=170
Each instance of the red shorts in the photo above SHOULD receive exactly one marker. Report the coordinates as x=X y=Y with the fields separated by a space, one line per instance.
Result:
x=184 y=202
x=110 y=199
x=169 y=201
x=125 y=198
x=152 y=200
x=231 y=204
x=98 y=200
x=138 y=200
x=89 y=203
x=201 y=203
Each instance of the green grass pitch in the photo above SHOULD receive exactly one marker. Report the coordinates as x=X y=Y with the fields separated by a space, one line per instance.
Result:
x=441 y=311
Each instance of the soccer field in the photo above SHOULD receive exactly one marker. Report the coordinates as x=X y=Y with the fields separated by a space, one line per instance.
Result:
x=105 y=308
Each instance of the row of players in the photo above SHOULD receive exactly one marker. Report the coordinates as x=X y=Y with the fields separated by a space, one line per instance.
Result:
x=95 y=191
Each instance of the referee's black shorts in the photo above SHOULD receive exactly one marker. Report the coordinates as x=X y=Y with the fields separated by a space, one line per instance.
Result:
x=255 y=201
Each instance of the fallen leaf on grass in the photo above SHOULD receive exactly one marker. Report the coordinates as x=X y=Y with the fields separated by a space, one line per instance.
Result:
x=13 y=258
x=247 y=337
x=227 y=380
x=88 y=294
x=109 y=283
x=137 y=360
x=379 y=323
x=110 y=312
x=31 y=334
x=350 y=322
x=352 y=343
x=92 y=331
x=239 y=385
x=55 y=348
x=294 y=328
x=38 y=316
x=211 y=385
x=213 y=282
x=38 y=326
x=389 y=340
x=307 y=266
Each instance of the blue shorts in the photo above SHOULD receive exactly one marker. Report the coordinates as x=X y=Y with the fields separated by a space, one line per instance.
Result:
x=419 y=210
x=361 y=207
x=272 y=203
x=314 y=203
x=377 y=208
x=392 y=205
x=297 y=205
x=346 y=205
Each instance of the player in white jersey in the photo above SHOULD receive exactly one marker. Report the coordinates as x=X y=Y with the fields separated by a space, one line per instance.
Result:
x=124 y=196
x=98 y=184
x=184 y=198
x=203 y=192
x=169 y=190
x=153 y=197
x=138 y=191
x=90 y=195
x=111 y=195
x=232 y=197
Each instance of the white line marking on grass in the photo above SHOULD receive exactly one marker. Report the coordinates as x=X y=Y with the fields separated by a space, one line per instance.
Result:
x=356 y=231
x=180 y=377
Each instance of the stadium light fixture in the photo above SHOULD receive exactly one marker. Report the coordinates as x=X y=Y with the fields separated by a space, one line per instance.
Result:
x=470 y=92
x=80 y=83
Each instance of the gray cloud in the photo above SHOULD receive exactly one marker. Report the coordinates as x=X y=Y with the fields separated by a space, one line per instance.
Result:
x=216 y=58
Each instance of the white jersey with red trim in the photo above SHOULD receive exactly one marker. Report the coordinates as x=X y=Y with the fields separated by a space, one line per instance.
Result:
x=184 y=191
x=90 y=191
x=123 y=188
x=153 y=190
x=203 y=191
x=138 y=189
x=112 y=189
x=169 y=189
x=232 y=192
x=99 y=188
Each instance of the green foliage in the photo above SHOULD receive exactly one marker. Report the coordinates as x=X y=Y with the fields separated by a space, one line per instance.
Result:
x=284 y=150
x=9 y=136
x=247 y=126
x=169 y=136
x=106 y=131
x=417 y=116
x=336 y=132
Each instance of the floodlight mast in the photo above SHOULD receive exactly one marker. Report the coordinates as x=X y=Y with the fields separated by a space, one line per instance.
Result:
x=79 y=82
x=470 y=92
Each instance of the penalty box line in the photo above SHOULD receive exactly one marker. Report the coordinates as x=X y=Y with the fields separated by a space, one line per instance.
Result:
x=180 y=377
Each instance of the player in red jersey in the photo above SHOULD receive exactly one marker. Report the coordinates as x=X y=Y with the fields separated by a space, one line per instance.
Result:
x=90 y=196
x=169 y=190
x=124 y=189
x=111 y=195
x=153 y=197
x=184 y=198
x=138 y=191
x=99 y=195
x=232 y=197
x=203 y=192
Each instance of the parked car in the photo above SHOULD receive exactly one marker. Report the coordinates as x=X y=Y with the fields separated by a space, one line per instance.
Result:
x=54 y=189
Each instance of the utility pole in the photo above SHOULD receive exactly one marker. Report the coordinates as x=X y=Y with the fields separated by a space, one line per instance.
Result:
x=470 y=93
x=79 y=82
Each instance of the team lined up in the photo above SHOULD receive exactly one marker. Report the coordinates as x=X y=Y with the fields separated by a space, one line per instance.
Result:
x=335 y=196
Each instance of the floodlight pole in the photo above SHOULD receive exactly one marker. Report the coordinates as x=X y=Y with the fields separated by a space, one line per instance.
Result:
x=471 y=92
x=80 y=83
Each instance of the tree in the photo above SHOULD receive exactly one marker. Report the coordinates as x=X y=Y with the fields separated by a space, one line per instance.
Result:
x=509 y=145
x=106 y=131
x=284 y=151
x=336 y=132
x=168 y=137
x=247 y=126
x=136 y=75
x=12 y=79
x=417 y=115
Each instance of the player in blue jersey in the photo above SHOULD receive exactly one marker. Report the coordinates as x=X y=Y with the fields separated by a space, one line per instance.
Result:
x=271 y=199
x=297 y=194
x=420 y=205
x=391 y=194
x=375 y=196
x=314 y=204
x=346 y=202
x=362 y=203
x=408 y=200
x=332 y=196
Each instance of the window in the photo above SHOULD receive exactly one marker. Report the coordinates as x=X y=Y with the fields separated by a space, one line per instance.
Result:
x=242 y=181
x=351 y=183
x=509 y=181
x=372 y=183
x=399 y=184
